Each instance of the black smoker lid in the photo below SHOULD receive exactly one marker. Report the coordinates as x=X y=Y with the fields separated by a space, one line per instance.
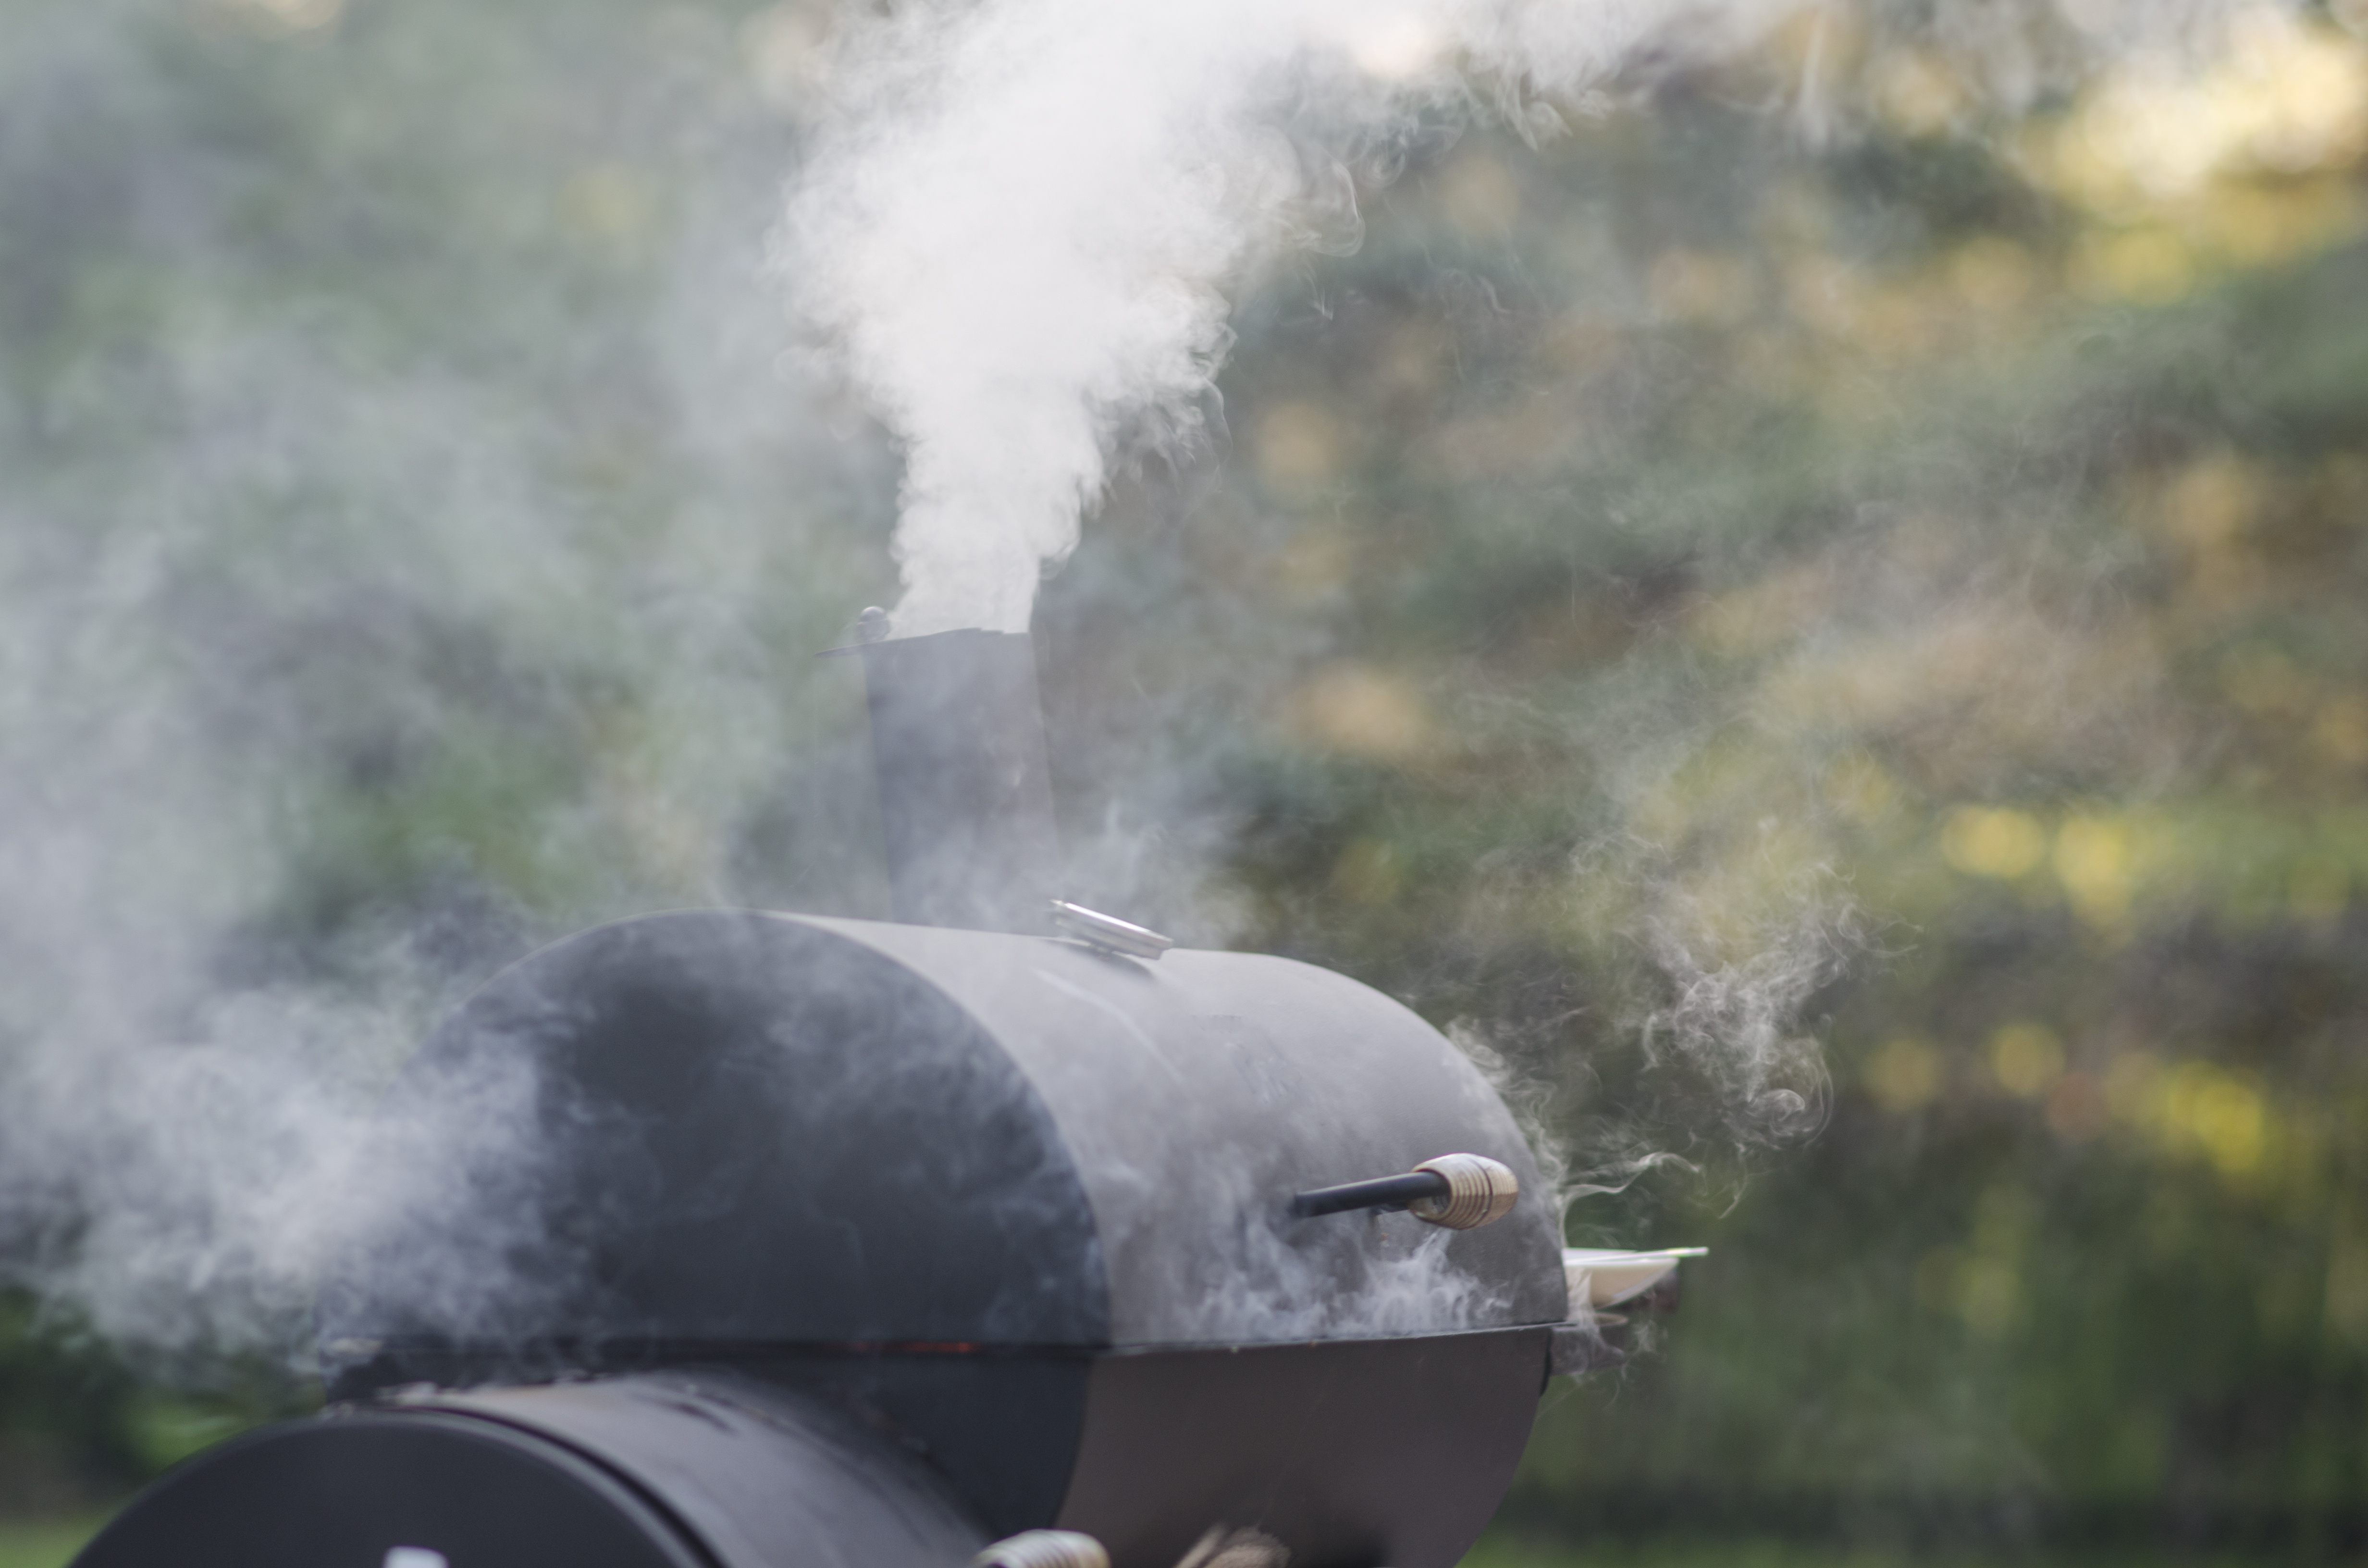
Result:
x=763 y=1129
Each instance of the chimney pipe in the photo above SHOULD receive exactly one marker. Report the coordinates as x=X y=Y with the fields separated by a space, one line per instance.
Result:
x=964 y=787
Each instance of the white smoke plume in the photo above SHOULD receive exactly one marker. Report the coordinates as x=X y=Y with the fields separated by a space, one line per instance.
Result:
x=1018 y=226
x=1020 y=219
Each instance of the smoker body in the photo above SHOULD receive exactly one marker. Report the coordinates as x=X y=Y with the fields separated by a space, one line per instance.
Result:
x=789 y=1241
x=1004 y=1196
x=1019 y=1206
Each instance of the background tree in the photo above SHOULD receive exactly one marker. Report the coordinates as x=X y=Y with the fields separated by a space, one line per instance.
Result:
x=1811 y=614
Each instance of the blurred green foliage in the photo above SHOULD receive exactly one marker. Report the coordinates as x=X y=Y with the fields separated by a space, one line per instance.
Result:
x=78 y=1425
x=1942 y=547
x=1512 y=1553
x=65 y=1418
x=1892 y=575
x=44 y=1545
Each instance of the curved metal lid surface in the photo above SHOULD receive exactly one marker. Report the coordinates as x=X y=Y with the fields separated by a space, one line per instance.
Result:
x=740 y=1127
x=759 y=1477
x=635 y=1472
x=413 y=1492
x=1198 y=1092
x=782 y=1128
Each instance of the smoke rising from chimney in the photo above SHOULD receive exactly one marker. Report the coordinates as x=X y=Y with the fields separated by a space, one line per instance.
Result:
x=1019 y=223
x=1018 y=226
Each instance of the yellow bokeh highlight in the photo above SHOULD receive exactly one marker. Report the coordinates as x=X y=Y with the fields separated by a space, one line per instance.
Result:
x=1298 y=445
x=2209 y=509
x=1990 y=1295
x=610 y=202
x=2242 y=160
x=1905 y=1075
x=2256 y=226
x=2199 y=1108
x=2265 y=682
x=2095 y=861
x=2026 y=1058
x=1918 y=92
x=2339 y=732
x=2149 y=265
x=2219 y=1112
x=1766 y=615
x=1987 y=841
x=1696 y=286
x=1479 y=196
x=1361 y=710
x=1990 y=1280
x=2214 y=501
x=2287 y=97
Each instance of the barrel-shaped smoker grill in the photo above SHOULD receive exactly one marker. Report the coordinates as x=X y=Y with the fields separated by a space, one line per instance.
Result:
x=1001 y=1226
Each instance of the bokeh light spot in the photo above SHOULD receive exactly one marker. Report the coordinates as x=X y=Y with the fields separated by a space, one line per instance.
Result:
x=1993 y=841
x=2026 y=1058
x=2095 y=862
x=1905 y=1075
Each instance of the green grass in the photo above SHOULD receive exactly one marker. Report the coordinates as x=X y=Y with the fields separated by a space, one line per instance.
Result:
x=46 y=1543
x=1706 y=1554
x=1514 y=1553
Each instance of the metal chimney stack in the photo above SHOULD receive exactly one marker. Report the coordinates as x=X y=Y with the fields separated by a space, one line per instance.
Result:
x=964 y=787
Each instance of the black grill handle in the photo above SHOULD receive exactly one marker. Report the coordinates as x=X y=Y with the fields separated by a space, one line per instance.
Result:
x=1461 y=1192
x=1389 y=1194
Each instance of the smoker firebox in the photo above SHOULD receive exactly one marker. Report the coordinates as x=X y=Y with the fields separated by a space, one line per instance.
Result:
x=867 y=1243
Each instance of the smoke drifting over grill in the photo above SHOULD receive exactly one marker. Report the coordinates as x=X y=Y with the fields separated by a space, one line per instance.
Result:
x=1018 y=224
